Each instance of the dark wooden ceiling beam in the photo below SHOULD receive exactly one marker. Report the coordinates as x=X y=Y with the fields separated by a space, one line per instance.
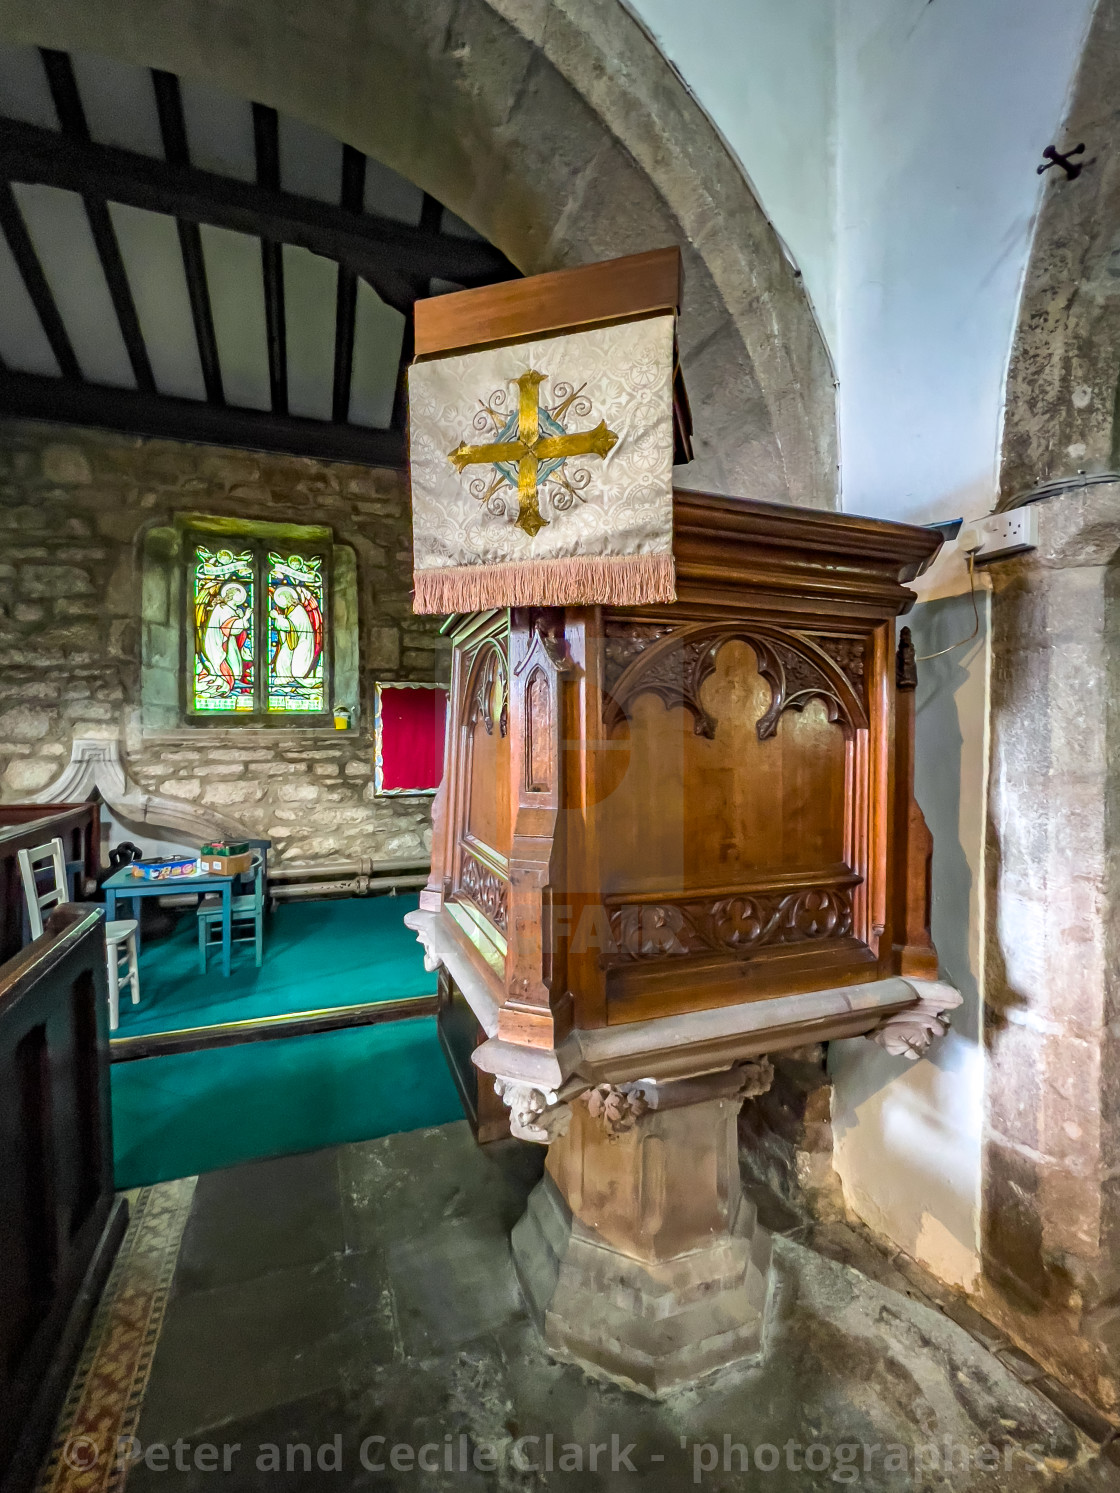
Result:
x=173 y=130
x=116 y=277
x=431 y=213
x=31 y=271
x=393 y=257
x=266 y=142
x=29 y=396
x=72 y=117
x=346 y=299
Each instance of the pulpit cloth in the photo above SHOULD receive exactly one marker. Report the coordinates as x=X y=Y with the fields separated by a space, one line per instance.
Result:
x=542 y=471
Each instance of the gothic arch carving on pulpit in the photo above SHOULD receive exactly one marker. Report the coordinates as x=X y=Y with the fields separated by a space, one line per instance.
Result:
x=487 y=689
x=674 y=664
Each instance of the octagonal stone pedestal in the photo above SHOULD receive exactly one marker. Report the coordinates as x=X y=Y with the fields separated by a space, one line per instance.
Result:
x=638 y=1255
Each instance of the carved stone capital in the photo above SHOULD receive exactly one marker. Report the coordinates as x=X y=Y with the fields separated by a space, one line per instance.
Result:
x=616 y=1106
x=908 y=1033
x=534 y=1114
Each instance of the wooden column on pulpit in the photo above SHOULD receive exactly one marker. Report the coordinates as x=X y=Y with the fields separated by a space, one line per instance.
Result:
x=670 y=840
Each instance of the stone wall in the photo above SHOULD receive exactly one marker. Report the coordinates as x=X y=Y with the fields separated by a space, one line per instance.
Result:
x=786 y=1135
x=1051 y=1204
x=74 y=506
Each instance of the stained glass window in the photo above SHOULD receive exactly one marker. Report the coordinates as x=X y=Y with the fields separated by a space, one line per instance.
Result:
x=223 y=674
x=259 y=635
x=296 y=673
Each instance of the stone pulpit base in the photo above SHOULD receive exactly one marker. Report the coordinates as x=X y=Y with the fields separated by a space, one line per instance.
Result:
x=639 y=1255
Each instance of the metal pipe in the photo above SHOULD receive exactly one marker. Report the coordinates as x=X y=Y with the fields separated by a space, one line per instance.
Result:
x=306 y=870
x=356 y=888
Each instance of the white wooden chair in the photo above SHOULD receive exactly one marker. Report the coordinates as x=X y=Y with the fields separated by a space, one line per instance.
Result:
x=45 y=885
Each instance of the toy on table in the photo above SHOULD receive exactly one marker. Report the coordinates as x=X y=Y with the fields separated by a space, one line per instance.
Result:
x=225 y=860
x=165 y=868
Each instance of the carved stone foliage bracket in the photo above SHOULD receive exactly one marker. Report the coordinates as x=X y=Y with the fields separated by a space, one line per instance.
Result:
x=675 y=662
x=616 y=1107
x=647 y=930
x=534 y=1114
x=908 y=1033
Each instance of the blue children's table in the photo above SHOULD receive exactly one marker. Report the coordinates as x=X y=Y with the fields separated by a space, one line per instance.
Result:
x=122 y=885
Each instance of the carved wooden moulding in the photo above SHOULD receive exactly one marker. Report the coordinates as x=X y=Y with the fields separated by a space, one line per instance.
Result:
x=657 y=812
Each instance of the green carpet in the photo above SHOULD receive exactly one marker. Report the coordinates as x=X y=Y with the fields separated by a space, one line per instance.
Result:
x=316 y=955
x=196 y=1111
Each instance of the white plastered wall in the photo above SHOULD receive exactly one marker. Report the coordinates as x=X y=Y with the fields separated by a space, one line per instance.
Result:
x=908 y=1135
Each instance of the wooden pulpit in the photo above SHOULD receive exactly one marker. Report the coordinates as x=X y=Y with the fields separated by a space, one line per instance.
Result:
x=671 y=840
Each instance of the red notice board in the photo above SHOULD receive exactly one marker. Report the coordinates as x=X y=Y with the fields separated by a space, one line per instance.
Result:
x=409 y=724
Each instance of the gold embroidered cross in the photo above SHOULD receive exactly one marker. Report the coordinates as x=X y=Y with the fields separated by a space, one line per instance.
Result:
x=531 y=449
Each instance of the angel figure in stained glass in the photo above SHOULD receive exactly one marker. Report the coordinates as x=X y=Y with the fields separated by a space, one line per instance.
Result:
x=296 y=678
x=223 y=631
x=298 y=628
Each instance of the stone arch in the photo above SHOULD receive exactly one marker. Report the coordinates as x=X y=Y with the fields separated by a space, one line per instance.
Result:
x=1050 y=1205
x=561 y=133
x=1063 y=382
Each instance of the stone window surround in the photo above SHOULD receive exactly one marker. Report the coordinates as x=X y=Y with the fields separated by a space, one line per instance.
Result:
x=164 y=627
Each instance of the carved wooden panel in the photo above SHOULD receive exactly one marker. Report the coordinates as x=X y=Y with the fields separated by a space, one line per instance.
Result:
x=481 y=828
x=487 y=810
x=488 y=890
x=540 y=731
x=680 y=812
x=732 y=924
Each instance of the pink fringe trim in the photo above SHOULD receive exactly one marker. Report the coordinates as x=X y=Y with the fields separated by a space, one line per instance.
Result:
x=583 y=580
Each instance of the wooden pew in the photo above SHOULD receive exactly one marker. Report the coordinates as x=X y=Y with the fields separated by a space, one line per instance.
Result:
x=60 y=1223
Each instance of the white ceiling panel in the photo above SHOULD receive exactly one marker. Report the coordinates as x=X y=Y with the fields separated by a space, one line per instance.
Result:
x=24 y=93
x=310 y=161
x=59 y=229
x=120 y=103
x=23 y=343
x=310 y=297
x=378 y=332
x=219 y=130
x=391 y=196
x=233 y=273
x=153 y=262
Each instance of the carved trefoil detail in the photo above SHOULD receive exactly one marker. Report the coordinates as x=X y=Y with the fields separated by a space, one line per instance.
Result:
x=675 y=663
x=730 y=924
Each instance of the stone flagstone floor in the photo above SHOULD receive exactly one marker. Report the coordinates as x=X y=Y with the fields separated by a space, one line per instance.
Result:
x=348 y=1319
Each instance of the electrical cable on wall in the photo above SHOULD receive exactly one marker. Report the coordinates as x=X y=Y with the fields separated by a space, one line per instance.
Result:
x=925 y=657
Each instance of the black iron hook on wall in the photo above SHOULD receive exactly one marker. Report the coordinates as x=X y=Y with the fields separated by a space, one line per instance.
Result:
x=1054 y=157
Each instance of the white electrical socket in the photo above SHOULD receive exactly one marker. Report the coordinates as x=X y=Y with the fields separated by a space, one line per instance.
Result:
x=1003 y=534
